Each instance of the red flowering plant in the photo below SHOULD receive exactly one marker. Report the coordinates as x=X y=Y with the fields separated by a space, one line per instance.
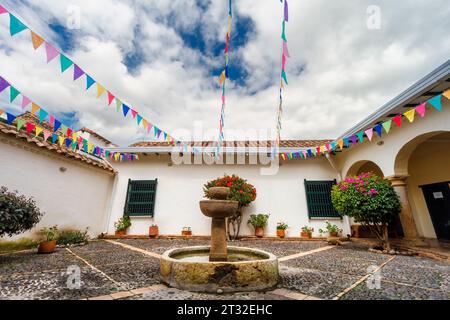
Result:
x=370 y=200
x=241 y=191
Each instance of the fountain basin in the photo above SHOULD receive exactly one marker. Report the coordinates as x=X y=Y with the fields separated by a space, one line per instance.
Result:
x=219 y=209
x=246 y=270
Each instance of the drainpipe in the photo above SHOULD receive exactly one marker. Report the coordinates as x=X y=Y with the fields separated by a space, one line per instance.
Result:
x=345 y=220
x=110 y=203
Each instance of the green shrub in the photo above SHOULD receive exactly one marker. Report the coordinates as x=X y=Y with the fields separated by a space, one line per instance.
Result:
x=50 y=234
x=17 y=245
x=70 y=237
x=258 y=220
x=123 y=223
x=370 y=200
x=17 y=213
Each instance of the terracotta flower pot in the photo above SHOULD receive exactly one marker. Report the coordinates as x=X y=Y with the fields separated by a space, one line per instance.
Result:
x=259 y=232
x=333 y=234
x=186 y=233
x=47 y=247
x=306 y=235
x=153 y=231
x=281 y=233
x=121 y=233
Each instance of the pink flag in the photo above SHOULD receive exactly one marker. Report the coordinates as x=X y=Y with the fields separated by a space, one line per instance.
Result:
x=369 y=133
x=52 y=120
x=134 y=113
x=110 y=98
x=421 y=110
x=46 y=135
x=285 y=49
x=52 y=53
x=25 y=102
x=2 y=10
x=223 y=99
x=283 y=62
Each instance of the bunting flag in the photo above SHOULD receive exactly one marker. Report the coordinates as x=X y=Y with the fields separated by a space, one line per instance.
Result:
x=223 y=79
x=13 y=94
x=435 y=102
x=69 y=136
x=16 y=26
x=283 y=77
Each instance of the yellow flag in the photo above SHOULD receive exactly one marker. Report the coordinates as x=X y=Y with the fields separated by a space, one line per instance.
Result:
x=75 y=136
x=447 y=94
x=61 y=140
x=341 y=144
x=222 y=77
x=34 y=108
x=410 y=115
x=39 y=130
x=322 y=149
x=100 y=90
x=145 y=123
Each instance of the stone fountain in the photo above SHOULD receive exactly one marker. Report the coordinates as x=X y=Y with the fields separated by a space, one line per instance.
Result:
x=219 y=267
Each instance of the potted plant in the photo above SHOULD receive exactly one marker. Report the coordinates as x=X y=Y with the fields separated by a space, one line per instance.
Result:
x=332 y=229
x=49 y=243
x=186 y=232
x=153 y=231
x=258 y=221
x=281 y=229
x=122 y=225
x=307 y=232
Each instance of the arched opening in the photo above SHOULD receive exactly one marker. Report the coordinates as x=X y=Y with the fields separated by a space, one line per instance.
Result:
x=364 y=166
x=425 y=161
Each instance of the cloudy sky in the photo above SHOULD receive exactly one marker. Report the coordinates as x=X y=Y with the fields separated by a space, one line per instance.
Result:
x=164 y=57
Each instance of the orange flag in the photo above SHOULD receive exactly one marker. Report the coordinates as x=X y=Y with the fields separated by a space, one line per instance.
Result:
x=37 y=40
x=447 y=94
x=34 y=108
x=100 y=90
x=341 y=144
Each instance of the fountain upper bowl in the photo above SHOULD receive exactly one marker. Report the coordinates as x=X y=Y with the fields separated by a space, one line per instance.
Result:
x=219 y=208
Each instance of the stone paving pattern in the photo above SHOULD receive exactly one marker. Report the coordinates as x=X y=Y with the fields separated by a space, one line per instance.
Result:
x=112 y=269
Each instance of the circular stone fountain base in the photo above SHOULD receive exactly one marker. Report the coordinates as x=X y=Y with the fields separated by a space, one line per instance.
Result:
x=246 y=270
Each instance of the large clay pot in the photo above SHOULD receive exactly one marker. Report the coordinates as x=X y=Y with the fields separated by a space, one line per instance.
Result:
x=306 y=235
x=281 y=233
x=153 y=231
x=186 y=233
x=121 y=233
x=333 y=234
x=259 y=232
x=47 y=247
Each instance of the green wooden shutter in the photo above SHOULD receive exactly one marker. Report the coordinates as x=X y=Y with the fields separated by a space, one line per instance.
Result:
x=141 y=195
x=318 y=195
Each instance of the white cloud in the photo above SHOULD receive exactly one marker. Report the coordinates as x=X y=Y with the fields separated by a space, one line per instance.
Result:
x=349 y=69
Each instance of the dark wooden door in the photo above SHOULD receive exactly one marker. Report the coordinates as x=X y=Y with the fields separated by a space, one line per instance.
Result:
x=437 y=196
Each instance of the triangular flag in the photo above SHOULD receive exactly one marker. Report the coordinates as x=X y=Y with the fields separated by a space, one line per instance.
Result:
x=66 y=63
x=138 y=119
x=54 y=138
x=20 y=123
x=89 y=82
x=25 y=102
x=61 y=140
x=13 y=94
x=283 y=75
x=286 y=49
x=222 y=78
x=118 y=104
x=369 y=133
x=100 y=90
x=110 y=98
x=39 y=130
x=341 y=144
x=2 y=10
x=125 y=109
x=42 y=115
x=410 y=115
x=3 y=84
x=283 y=35
x=15 y=25
x=387 y=126
x=46 y=135
x=34 y=108
x=354 y=139
x=421 y=109
x=52 y=53
x=346 y=142
x=134 y=113
x=64 y=129
x=360 y=136
x=398 y=120
x=69 y=132
x=68 y=143
x=77 y=72
x=57 y=125
x=37 y=40
x=436 y=102
x=447 y=94
x=30 y=127
x=378 y=129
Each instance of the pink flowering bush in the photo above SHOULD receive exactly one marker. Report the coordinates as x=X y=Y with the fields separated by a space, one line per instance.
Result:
x=370 y=200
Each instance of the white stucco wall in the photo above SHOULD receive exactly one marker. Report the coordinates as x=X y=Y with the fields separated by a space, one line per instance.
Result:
x=77 y=198
x=180 y=188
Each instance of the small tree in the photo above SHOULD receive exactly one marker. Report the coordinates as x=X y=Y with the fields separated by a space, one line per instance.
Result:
x=370 y=200
x=241 y=191
x=17 y=213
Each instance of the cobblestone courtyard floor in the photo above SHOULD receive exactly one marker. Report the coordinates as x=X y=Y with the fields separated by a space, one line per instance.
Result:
x=129 y=269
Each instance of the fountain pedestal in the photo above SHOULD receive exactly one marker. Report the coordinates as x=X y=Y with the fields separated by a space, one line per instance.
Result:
x=218 y=251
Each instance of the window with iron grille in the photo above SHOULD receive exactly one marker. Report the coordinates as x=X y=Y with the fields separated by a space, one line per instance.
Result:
x=141 y=195
x=318 y=196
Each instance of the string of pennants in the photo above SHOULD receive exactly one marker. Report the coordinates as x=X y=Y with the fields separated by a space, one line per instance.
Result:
x=17 y=26
x=224 y=76
x=283 y=76
x=369 y=134
x=68 y=137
